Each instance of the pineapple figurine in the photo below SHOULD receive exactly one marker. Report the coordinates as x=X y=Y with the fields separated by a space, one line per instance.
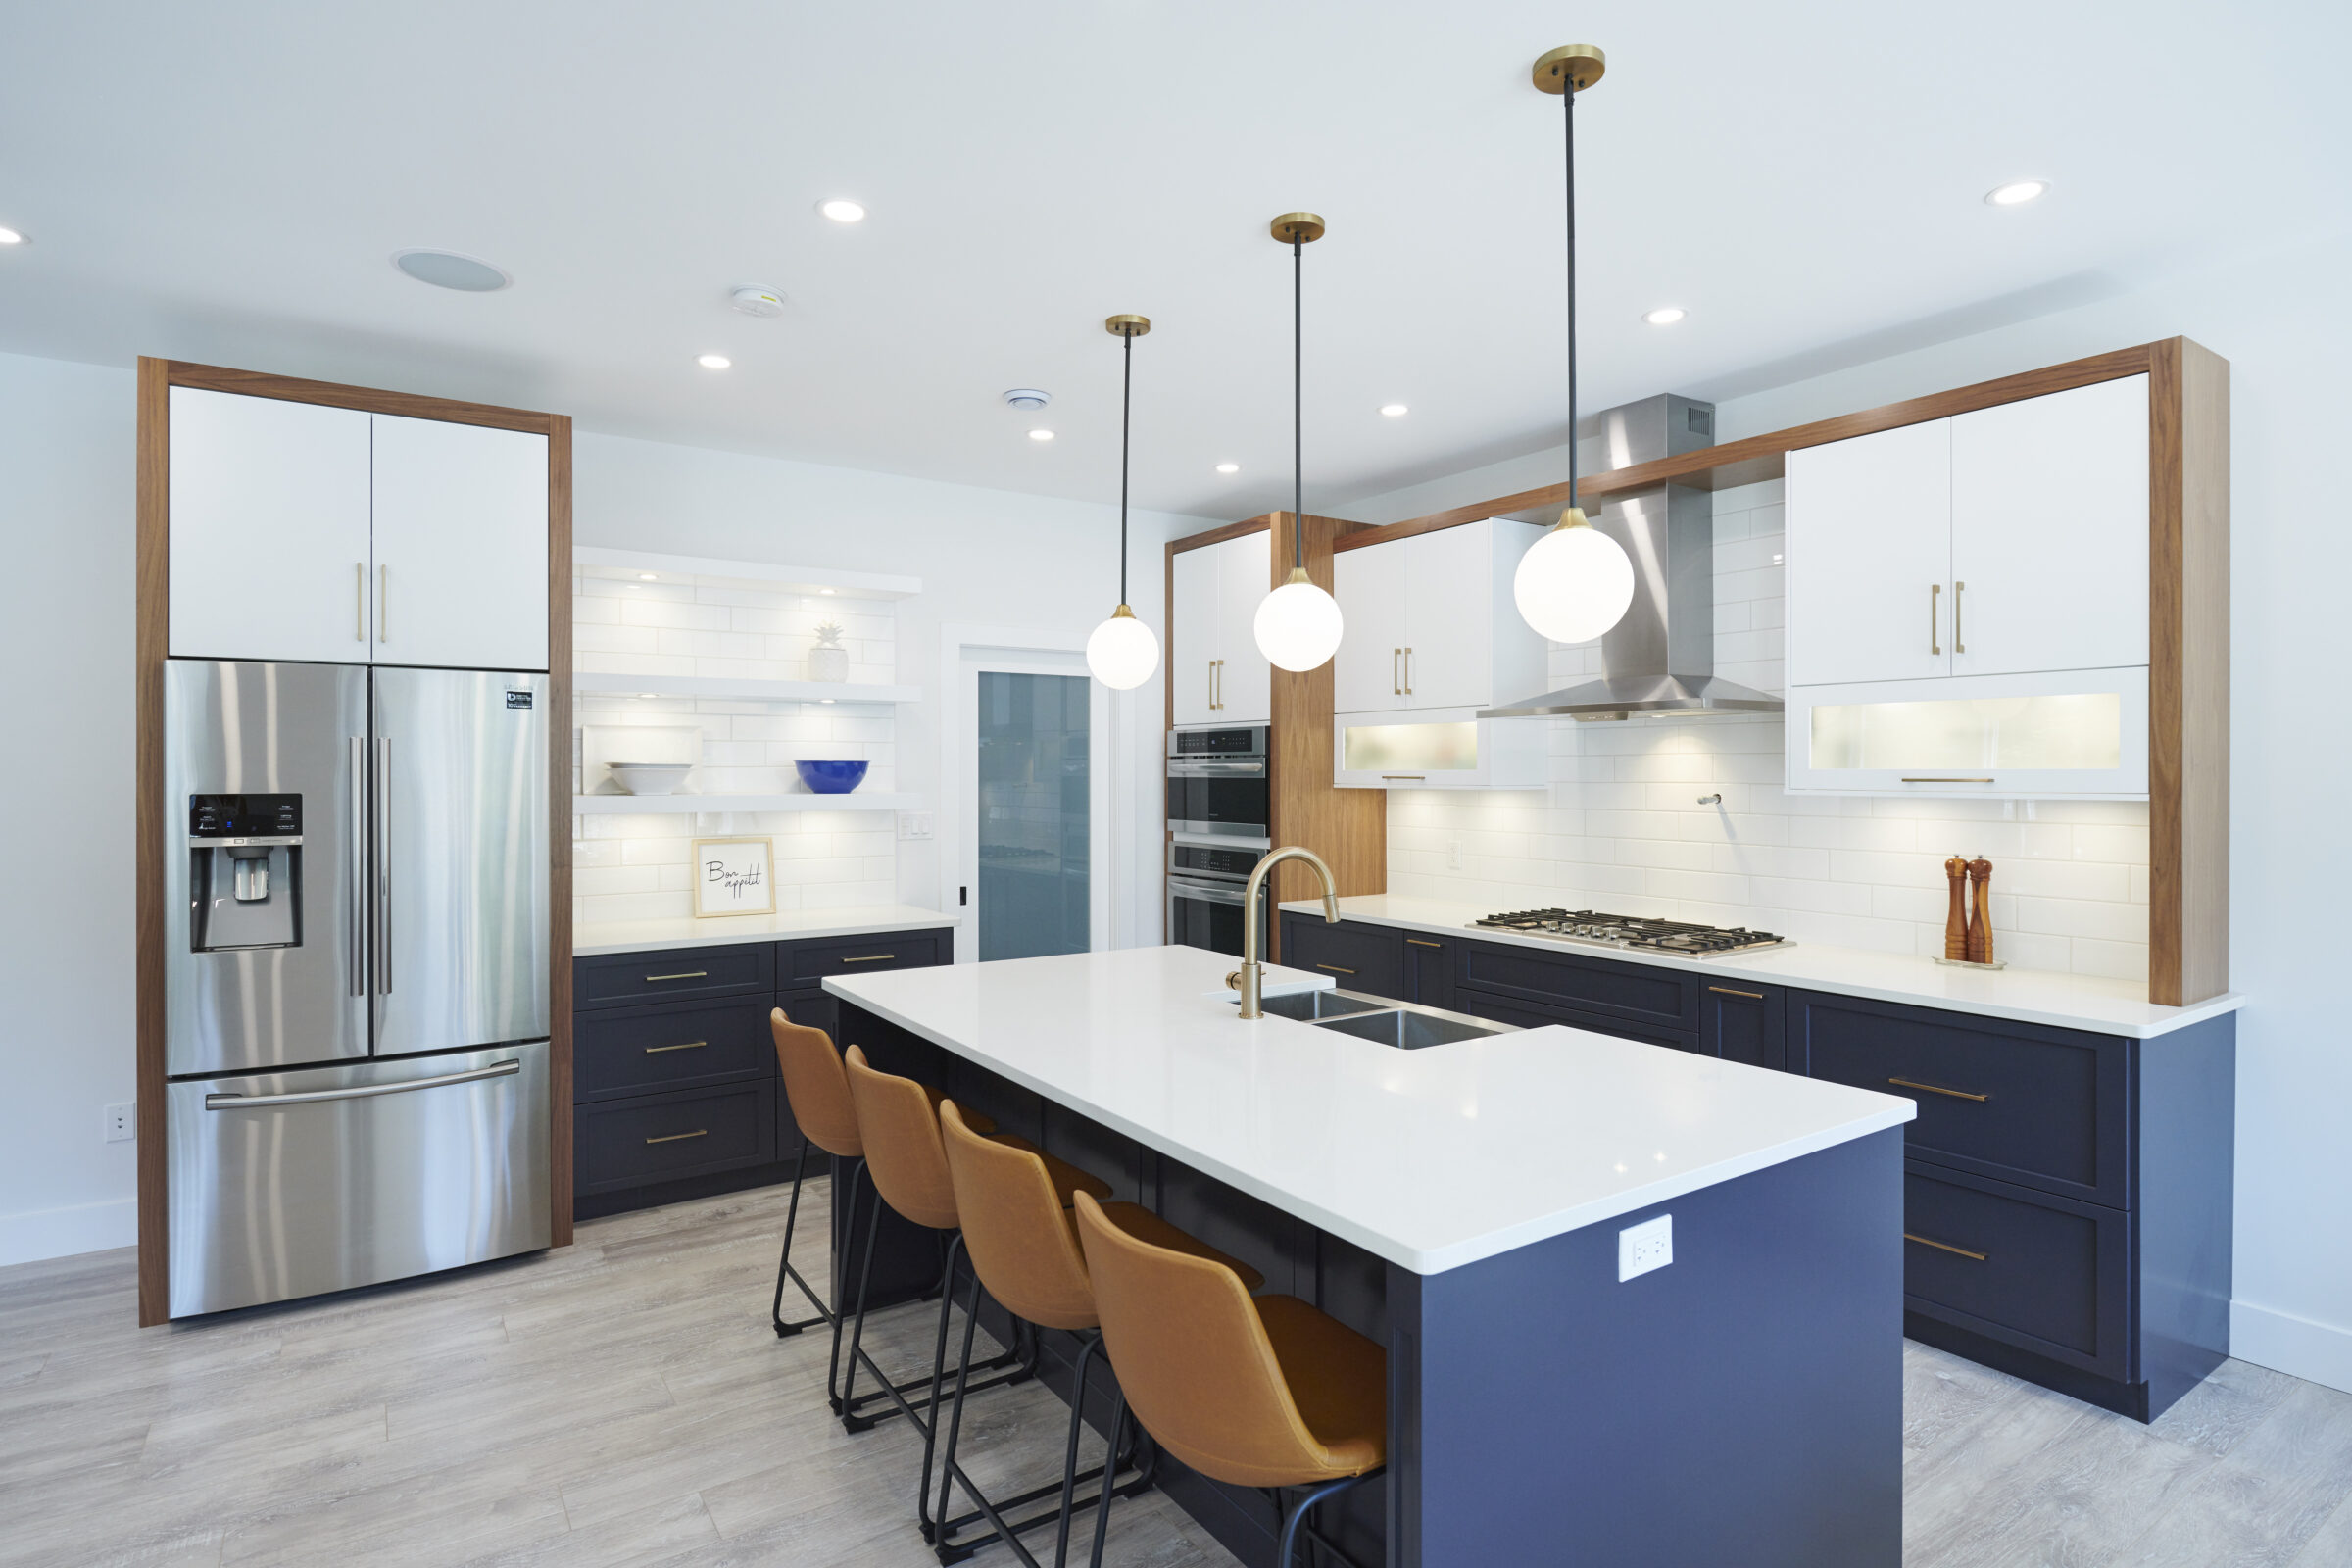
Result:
x=828 y=660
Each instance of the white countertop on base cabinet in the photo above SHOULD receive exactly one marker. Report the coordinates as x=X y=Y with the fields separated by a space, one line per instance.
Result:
x=794 y=926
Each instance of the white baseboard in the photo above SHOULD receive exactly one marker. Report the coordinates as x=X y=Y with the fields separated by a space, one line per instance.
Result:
x=62 y=1232
x=2317 y=1352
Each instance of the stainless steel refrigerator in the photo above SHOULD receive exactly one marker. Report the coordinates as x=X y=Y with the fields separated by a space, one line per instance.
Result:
x=356 y=975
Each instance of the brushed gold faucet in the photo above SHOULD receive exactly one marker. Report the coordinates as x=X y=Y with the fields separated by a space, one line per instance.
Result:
x=1250 y=978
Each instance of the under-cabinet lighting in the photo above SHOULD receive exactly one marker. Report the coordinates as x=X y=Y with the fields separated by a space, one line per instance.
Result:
x=1664 y=315
x=2017 y=192
x=714 y=361
x=843 y=211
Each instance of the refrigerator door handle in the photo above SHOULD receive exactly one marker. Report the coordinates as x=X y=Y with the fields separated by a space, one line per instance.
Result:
x=359 y=865
x=312 y=1096
x=384 y=866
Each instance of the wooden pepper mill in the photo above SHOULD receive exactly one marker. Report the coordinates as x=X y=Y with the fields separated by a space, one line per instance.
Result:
x=1956 y=923
x=1979 y=922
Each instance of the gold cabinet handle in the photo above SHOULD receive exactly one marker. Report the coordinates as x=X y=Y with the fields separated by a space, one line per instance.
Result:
x=1408 y=673
x=359 y=601
x=1416 y=942
x=1945 y=1247
x=684 y=974
x=383 y=600
x=699 y=1131
x=1934 y=604
x=1395 y=672
x=872 y=957
x=1959 y=643
x=1956 y=1094
x=1333 y=968
x=691 y=1045
x=1727 y=990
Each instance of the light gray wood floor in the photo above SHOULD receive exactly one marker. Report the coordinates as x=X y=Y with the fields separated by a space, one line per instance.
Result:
x=623 y=1403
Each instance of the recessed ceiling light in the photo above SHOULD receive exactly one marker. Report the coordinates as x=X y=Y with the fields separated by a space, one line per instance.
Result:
x=714 y=361
x=645 y=576
x=645 y=696
x=467 y=274
x=843 y=212
x=2017 y=192
x=825 y=590
x=828 y=701
x=1664 y=315
x=1229 y=468
x=1394 y=411
x=9 y=236
x=1041 y=435
x=1028 y=397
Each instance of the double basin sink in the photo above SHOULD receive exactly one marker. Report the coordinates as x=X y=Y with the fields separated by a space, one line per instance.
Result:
x=1404 y=1025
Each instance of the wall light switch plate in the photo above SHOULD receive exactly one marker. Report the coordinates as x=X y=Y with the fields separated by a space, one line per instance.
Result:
x=119 y=1125
x=915 y=824
x=1454 y=854
x=1644 y=1246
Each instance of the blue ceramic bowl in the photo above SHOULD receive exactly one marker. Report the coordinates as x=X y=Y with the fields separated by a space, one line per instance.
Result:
x=832 y=778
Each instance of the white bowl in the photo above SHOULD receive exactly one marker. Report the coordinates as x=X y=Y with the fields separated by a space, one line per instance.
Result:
x=649 y=778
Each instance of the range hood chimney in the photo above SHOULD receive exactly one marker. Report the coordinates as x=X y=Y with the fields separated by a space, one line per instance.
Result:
x=1660 y=658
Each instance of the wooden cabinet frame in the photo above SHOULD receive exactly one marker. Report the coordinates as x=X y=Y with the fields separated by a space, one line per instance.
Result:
x=156 y=379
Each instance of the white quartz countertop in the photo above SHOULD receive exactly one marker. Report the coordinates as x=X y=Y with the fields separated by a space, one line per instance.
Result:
x=796 y=925
x=2029 y=995
x=1430 y=1158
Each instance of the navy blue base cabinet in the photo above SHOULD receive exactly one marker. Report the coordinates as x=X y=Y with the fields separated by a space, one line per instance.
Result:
x=2067 y=1195
x=675 y=1092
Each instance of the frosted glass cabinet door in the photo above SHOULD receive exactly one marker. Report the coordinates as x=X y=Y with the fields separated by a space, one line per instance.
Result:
x=1245 y=680
x=1192 y=635
x=2050 y=532
x=461 y=545
x=270 y=551
x=1869 y=557
x=1368 y=670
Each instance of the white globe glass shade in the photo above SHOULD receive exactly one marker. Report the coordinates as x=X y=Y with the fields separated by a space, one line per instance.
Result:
x=1574 y=584
x=1298 y=626
x=1123 y=652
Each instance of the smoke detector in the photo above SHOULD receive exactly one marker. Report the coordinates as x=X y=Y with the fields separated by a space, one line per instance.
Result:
x=752 y=300
x=1027 y=397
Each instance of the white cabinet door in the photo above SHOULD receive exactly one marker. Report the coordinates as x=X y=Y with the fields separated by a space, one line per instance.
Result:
x=2050 y=532
x=461 y=545
x=269 y=529
x=1870 y=555
x=1451 y=614
x=1370 y=585
x=1245 y=679
x=1192 y=635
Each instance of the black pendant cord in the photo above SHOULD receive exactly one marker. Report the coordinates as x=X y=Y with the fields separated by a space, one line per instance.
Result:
x=1568 y=105
x=1126 y=404
x=1298 y=401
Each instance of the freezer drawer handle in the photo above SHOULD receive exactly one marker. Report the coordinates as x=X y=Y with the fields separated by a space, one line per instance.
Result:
x=312 y=1096
x=699 y=1131
x=686 y=974
x=1934 y=1089
x=1945 y=1247
x=691 y=1045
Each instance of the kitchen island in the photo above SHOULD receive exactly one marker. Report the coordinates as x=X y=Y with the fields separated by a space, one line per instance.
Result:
x=1461 y=1204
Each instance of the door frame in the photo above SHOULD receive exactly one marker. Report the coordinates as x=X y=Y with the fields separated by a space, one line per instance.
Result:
x=967 y=652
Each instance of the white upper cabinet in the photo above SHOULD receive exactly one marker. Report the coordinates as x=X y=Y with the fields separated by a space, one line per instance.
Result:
x=1431 y=623
x=1870 y=555
x=269 y=529
x=1367 y=673
x=461 y=545
x=1219 y=676
x=2050 y=532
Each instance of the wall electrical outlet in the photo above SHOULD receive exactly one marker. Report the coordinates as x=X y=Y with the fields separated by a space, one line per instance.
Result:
x=121 y=1124
x=915 y=824
x=1644 y=1246
x=1454 y=854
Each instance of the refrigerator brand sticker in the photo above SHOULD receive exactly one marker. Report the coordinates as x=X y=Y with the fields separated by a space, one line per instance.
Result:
x=519 y=699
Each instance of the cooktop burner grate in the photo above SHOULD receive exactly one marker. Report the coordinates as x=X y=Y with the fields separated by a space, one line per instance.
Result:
x=1689 y=937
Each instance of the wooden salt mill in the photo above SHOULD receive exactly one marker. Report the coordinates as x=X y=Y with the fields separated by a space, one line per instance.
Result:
x=1956 y=923
x=1979 y=922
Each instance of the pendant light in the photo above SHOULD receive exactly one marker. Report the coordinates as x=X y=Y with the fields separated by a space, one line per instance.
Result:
x=1297 y=624
x=1576 y=582
x=1123 y=652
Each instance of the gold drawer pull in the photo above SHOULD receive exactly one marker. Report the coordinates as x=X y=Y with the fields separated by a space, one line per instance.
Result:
x=1333 y=968
x=1727 y=990
x=872 y=957
x=1943 y=1247
x=1956 y=1094
x=691 y=1045
x=690 y=975
x=1416 y=942
x=699 y=1131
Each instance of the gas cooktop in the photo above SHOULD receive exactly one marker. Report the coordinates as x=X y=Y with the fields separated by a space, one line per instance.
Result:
x=1590 y=928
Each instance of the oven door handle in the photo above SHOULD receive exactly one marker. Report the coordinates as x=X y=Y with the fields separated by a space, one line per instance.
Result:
x=1255 y=767
x=1207 y=891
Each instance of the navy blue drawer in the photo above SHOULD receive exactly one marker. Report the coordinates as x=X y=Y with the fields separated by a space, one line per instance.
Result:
x=2045 y=1274
x=806 y=964
x=690 y=975
x=620 y=1052
x=1639 y=993
x=1530 y=1015
x=1742 y=1022
x=2016 y=1102
x=1355 y=955
x=659 y=1138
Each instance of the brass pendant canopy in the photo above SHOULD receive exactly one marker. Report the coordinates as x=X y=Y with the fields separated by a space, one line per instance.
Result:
x=1577 y=65
x=1301 y=228
x=1127 y=326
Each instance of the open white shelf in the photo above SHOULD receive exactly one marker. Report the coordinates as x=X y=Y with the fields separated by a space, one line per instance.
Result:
x=705 y=571
x=653 y=804
x=776 y=691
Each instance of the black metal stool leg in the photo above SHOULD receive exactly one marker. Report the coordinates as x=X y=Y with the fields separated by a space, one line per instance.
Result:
x=1296 y=1524
x=1091 y=1342
x=865 y=1276
x=785 y=1270
x=963 y=1377
x=939 y=1367
x=1118 y=1419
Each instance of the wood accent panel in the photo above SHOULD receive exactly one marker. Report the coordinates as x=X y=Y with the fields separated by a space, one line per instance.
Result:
x=1760 y=456
x=153 y=622
x=409 y=405
x=559 y=859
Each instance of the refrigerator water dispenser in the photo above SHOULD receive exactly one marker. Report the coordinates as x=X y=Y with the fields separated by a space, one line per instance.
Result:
x=244 y=871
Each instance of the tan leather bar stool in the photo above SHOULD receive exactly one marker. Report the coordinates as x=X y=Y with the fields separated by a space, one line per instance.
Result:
x=816 y=1089
x=898 y=1121
x=1023 y=1244
x=1254 y=1392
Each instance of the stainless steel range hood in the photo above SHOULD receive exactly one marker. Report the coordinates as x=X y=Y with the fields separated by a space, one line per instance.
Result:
x=1660 y=659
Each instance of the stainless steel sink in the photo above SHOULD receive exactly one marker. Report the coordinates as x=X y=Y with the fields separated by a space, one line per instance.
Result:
x=1406 y=1025
x=1311 y=1005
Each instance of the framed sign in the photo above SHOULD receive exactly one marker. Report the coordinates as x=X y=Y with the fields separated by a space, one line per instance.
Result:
x=734 y=876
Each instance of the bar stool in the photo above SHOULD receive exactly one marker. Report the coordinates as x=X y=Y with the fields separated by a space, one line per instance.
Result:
x=1023 y=1244
x=1254 y=1392
x=899 y=1124
x=816 y=1090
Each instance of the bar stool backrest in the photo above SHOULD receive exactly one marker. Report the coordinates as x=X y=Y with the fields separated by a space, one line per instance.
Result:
x=1198 y=1371
x=901 y=1133
x=1016 y=1228
x=815 y=1086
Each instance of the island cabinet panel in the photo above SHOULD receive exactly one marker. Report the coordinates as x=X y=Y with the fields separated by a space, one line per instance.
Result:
x=620 y=1052
x=1429 y=971
x=2016 y=1102
x=2047 y=1275
x=1743 y=1022
x=673 y=975
x=1357 y=956
x=1659 y=999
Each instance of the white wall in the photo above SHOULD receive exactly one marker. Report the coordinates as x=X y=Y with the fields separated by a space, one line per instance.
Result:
x=67 y=477
x=2283 y=320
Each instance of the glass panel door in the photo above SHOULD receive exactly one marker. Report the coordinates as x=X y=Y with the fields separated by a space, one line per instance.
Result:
x=1033 y=798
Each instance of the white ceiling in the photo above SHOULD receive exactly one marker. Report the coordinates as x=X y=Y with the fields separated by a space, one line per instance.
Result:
x=226 y=182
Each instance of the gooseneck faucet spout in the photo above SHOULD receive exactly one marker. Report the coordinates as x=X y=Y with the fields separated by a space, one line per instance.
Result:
x=1250 y=978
